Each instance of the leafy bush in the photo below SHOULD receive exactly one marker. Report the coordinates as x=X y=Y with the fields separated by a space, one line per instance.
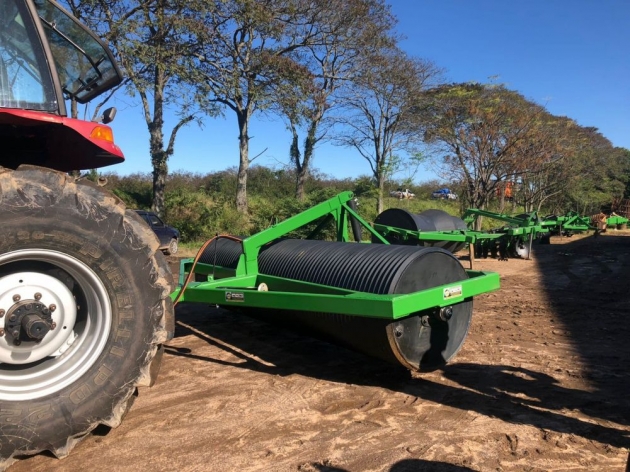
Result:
x=201 y=206
x=199 y=217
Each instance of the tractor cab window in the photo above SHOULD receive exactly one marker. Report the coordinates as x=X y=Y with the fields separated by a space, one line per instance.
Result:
x=25 y=80
x=85 y=66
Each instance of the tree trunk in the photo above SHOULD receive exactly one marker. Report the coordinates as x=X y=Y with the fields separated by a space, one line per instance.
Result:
x=302 y=165
x=243 y=147
x=158 y=161
x=309 y=148
x=296 y=158
x=160 y=172
x=300 y=193
x=74 y=111
x=380 y=182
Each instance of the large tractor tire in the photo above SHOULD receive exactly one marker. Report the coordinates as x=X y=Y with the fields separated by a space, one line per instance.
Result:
x=84 y=310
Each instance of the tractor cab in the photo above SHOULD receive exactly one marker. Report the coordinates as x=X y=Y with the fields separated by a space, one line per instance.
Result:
x=46 y=58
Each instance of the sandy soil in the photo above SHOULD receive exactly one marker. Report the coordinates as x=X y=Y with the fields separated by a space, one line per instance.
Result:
x=541 y=384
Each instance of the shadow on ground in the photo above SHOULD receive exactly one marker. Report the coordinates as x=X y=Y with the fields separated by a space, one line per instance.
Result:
x=406 y=465
x=590 y=303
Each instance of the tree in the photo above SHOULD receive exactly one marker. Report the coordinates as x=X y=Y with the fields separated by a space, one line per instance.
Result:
x=598 y=171
x=155 y=42
x=486 y=134
x=249 y=61
x=347 y=31
x=375 y=106
x=544 y=170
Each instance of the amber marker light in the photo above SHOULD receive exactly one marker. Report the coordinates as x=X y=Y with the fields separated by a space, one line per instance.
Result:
x=102 y=132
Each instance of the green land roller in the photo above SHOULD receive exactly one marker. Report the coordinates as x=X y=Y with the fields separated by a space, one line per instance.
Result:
x=437 y=228
x=406 y=304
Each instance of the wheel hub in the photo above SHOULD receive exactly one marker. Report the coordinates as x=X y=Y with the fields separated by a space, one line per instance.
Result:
x=34 y=306
x=28 y=320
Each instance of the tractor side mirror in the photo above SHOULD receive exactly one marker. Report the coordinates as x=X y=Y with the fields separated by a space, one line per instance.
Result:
x=107 y=116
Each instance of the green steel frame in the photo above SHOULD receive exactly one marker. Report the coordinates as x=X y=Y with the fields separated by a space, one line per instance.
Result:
x=571 y=221
x=516 y=226
x=245 y=286
x=515 y=230
x=616 y=220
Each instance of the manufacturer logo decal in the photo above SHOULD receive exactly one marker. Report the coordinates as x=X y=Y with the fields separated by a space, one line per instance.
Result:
x=452 y=292
x=234 y=297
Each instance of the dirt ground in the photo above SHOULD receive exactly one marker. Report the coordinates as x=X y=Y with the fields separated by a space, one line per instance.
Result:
x=541 y=384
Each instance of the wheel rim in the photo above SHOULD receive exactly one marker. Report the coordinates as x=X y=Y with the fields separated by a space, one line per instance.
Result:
x=521 y=249
x=173 y=246
x=82 y=318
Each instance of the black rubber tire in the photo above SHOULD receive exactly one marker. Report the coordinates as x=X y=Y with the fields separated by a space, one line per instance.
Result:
x=44 y=210
x=172 y=248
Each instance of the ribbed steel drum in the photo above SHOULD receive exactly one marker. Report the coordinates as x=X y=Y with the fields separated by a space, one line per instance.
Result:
x=428 y=220
x=372 y=268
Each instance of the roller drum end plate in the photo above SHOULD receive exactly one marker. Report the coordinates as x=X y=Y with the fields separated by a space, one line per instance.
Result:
x=425 y=342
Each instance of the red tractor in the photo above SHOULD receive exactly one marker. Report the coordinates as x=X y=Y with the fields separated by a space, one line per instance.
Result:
x=84 y=289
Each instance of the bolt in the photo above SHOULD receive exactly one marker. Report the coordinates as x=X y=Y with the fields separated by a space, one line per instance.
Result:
x=38 y=296
x=425 y=321
x=1 y=332
x=446 y=313
x=15 y=334
x=16 y=298
x=53 y=325
x=2 y=312
x=17 y=342
x=12 y=318
x=52 y=307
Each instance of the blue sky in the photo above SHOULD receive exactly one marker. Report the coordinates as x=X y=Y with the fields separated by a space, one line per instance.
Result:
x=573 y=56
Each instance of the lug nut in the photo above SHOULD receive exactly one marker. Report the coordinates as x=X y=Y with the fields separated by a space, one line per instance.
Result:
x=52 y=307
x=53 y=325
x=2 y=312
x=1 y=332
x=16 y=298
x=38 y=296
x=12 y=318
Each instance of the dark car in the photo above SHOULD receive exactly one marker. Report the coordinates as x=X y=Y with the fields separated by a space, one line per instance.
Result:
x=168 y=236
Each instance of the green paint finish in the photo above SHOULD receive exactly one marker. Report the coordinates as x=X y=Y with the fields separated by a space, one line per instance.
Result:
x=245 y=286
x=305 y=296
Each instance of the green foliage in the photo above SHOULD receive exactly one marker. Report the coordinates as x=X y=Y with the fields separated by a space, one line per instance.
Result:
x=135 y=189
x=201 y=206
x=266 y=212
